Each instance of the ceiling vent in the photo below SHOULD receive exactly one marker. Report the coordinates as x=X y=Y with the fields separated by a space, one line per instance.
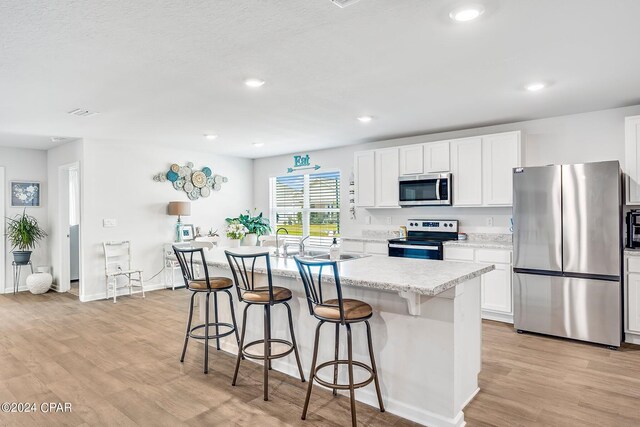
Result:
x=82 y=112
x=344 y=3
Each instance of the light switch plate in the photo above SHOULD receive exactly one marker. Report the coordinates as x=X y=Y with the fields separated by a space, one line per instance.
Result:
x=109 y=222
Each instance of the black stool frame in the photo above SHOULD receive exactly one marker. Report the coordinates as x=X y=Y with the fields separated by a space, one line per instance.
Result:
x=186 y=260
x=309 y=271
x=244 y=279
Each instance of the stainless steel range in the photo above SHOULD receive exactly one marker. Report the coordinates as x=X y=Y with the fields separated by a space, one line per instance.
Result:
x=424 y=238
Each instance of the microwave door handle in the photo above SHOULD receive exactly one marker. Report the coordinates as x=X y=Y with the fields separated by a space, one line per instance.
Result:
x=438 y=195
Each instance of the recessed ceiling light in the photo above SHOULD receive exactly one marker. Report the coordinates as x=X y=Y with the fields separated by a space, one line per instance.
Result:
x=466 y=13
x=258 y=144
x=81 y=112
x=58 y=139
x=534 y=87
x=210 y=136
x=254 y=82
x=365 y=119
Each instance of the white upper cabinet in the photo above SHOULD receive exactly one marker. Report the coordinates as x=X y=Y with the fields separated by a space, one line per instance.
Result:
x=411 y=159
x=632 y=159
x=436 y=157
x=500 y=154
x=364 y=176
x=466 y=168
x=387 y=172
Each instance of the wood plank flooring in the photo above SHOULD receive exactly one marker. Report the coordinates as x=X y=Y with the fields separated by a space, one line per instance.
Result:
x=118 y=365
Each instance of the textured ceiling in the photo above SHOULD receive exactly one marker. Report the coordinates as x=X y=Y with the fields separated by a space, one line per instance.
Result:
x=169 y=71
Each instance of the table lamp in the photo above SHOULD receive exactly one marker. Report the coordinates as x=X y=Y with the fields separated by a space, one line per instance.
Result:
x=178 y=209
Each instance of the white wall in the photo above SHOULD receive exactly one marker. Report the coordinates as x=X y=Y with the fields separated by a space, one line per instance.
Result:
x=25 y=165
x=117 y=182
x=567 y=139
x=65 y=154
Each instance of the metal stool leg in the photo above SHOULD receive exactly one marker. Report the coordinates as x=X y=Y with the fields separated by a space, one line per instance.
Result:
x=267 y=352
x=244 y=330
x=215 y=317
x=337 y=354
x=206 y=335
x=293 y=341
x=373 y=366
x=269 y=332
x=352 y=393
x=312 y=373
x=186 y=337
x=233 y=319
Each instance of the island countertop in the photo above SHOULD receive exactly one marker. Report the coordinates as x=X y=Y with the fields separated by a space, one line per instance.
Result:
x=423 y=277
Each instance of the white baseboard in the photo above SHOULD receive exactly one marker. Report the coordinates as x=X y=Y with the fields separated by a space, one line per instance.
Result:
x=498 y=317
x=20 y=289
x=148 y=287
x=632 y=338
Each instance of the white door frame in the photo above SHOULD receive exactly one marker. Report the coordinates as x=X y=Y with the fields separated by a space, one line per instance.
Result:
x=63 y=226
x=3 y=213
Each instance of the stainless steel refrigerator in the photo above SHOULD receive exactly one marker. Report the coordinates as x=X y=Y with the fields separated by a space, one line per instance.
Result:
x=567 y=239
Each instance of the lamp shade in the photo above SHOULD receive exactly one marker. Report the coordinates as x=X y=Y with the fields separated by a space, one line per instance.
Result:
x=179 y=208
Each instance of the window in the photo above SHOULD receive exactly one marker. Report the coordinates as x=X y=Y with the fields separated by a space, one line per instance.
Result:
x=307 y=205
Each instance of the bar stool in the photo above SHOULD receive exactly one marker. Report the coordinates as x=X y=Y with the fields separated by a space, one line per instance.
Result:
x=208 y=285
x=338 y=311
x=265 y=296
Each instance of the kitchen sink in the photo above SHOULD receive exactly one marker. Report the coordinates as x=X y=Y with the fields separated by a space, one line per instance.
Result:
x=343 y=257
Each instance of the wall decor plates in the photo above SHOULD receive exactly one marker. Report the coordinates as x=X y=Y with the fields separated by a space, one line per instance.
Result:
x=172 y=176
x=195 y=183
x=199 y=179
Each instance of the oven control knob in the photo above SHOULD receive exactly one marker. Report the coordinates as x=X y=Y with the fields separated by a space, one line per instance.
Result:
x=410 y=224
x=450 y=225
x=446 y=225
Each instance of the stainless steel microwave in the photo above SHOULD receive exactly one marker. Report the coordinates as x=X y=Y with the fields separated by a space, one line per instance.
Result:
x=425 y=190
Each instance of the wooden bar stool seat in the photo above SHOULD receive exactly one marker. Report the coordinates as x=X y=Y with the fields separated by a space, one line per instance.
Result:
x=243 y=269
x=209 y=286
x=341 y=312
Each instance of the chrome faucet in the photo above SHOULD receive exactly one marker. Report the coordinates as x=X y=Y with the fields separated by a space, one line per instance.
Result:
x=301 y=246
x=277 y=242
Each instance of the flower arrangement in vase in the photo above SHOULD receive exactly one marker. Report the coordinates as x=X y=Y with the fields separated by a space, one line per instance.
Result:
x=235 y=232
x=256 y=225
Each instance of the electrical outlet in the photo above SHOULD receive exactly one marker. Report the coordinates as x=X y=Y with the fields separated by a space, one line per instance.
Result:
x=388 y=220
x=109 y=222
x=489 y=221
x=367 y=219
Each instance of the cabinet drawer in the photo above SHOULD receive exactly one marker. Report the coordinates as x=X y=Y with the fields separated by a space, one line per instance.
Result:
x=633 y=264
x=458 y=254
x=494 y=256
x=353 y=246
x=374 y=248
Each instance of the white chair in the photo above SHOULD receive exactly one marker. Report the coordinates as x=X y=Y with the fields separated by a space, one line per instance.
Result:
x=118 y=263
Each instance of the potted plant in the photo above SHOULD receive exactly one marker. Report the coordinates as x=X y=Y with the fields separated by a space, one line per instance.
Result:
x=24 y=233
x=235 y=232
x=256 y=225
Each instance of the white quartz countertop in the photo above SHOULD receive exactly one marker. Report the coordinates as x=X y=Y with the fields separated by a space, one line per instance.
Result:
x=424 y=277
x=477 y=243
x=631 y=252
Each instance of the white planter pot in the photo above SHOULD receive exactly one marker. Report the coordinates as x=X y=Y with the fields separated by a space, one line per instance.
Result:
x=39 y=283
x=234 y=243
x=250 y=239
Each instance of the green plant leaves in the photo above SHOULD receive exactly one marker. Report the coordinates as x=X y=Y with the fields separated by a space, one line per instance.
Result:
x=24 y=232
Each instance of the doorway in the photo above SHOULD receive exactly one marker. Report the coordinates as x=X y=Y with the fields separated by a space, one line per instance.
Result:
x=70 y=229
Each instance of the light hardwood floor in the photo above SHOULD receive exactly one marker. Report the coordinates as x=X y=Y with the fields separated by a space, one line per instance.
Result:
x=118 y=365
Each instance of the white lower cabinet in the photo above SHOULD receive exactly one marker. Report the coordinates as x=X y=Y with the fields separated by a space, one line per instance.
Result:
x=631 y=305
x=362 y=247
x=497 y=285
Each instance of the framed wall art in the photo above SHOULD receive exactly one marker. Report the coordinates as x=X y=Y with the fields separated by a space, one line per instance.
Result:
x=25 y=194
x=187 y=233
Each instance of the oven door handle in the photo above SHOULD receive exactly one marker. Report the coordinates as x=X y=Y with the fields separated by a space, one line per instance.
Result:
x=438 y=195
x=419 y=247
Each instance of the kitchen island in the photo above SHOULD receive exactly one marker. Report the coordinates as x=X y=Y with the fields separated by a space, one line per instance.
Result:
x=426 y=330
